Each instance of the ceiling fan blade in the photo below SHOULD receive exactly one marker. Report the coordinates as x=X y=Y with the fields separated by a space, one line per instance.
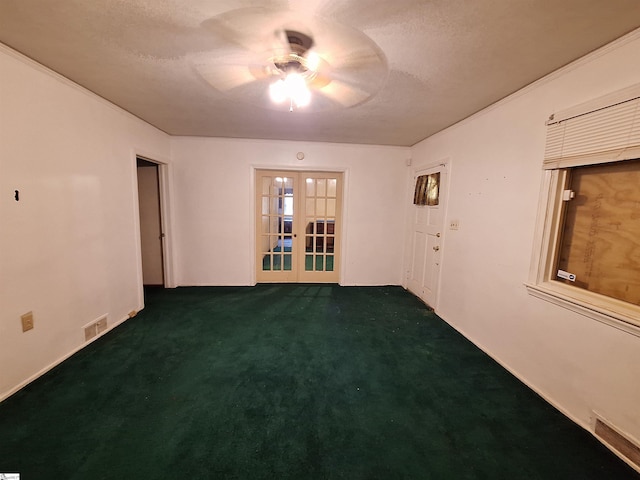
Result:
x=355 y=65
x=319 y=81
x=309 y=7
x=344 y=94
x=256 y=29
x=346 y=48
x=354 y=81
x=243 y=29
x=359 y=59
x=225 y=74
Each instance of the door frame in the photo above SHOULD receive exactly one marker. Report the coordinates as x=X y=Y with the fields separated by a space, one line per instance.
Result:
x=444 y=167
x=299 y=168
x=164 y=188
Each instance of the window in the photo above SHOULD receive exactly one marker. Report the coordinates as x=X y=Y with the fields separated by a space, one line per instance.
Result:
x=427 y=190
x=587 y=249
x=599 y=247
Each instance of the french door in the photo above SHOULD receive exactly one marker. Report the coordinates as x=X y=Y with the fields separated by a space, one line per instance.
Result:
x=298 y=226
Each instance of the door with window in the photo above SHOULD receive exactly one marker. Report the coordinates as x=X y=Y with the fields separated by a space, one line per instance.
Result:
x=298 y=226
x=426 y=227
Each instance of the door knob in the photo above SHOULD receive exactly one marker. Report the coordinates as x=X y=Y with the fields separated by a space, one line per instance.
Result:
x=436 y=248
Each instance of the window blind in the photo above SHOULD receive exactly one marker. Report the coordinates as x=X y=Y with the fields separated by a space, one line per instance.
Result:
x=595 y=133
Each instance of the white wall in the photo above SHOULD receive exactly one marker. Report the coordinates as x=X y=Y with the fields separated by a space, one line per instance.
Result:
x=69 y=248
x=577 y=363
x=214 y=204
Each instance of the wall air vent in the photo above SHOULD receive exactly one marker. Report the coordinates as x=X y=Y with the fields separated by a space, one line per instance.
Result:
x=94 y=328
x=621 y=444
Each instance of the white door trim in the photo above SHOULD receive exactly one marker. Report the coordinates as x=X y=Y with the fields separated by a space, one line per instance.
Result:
x=164 y=191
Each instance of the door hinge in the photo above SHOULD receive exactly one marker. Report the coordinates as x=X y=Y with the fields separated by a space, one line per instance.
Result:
x=568 y=195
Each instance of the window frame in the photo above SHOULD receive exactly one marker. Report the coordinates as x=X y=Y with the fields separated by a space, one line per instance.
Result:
x=542 y=281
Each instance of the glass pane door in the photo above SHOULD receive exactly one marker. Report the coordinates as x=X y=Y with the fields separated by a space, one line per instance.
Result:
x=297 y=225
x=276 y=208
x=321 y=226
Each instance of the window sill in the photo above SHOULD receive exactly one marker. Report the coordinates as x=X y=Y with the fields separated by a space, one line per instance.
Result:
x=627 y=320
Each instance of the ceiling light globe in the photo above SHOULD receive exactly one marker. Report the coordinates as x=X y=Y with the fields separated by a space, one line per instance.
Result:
x=294 y=82
x=278 y=91
x=302 y=98
x=313 y=61
x=298 y=90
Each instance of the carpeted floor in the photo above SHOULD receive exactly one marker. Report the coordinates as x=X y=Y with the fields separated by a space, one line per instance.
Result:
x=289 y=382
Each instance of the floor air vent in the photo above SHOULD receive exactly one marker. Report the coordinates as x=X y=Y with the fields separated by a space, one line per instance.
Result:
x=94 y=328
x=618 y=442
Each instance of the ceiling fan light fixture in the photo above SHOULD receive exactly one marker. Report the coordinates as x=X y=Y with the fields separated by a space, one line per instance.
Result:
x=262 y=65
x=296 y=69
x=293 y=88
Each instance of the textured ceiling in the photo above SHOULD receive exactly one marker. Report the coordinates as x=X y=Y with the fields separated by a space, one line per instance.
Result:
x=442 y=60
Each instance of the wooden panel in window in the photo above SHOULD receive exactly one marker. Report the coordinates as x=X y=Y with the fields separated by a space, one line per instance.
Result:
x=600 y=244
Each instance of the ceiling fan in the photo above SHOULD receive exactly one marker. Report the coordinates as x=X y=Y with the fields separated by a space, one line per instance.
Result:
x=288 y=60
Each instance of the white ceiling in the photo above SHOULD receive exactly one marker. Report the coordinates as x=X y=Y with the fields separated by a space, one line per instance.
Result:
x=445 y=59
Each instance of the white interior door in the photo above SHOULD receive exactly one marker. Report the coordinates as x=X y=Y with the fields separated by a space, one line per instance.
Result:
x=426 y=235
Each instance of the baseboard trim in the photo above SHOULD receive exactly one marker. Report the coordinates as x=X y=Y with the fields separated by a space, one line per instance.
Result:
x=586 y=426
x=57 y=362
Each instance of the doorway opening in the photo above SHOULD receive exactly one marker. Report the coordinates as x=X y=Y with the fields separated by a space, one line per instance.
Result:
x=151 y=230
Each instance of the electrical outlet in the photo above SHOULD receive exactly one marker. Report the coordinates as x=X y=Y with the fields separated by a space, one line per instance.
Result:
x=454 y=224
x=27 y=321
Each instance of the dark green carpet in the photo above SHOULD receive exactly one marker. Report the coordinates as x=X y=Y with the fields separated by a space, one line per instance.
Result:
x=289 y=382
